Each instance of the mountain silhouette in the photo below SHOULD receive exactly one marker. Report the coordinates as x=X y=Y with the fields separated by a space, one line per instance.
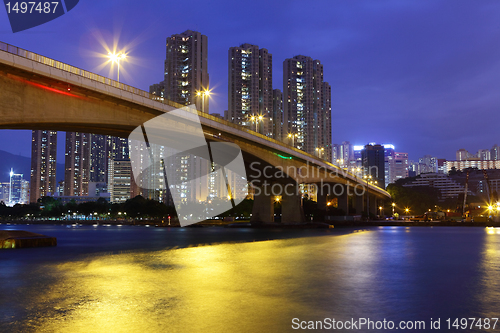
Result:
x=21 y=164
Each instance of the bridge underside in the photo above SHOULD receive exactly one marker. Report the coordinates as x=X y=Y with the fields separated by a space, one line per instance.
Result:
x=30 y=100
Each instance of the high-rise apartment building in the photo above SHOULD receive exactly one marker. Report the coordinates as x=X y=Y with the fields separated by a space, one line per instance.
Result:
x=463 y=155
x=484 y=154
x=17 y=189
x=117 y=148
x=119 y=173
x=325 y=121
x=400 y=169
x=343 y=154
x=495 y=153
x=98 y=158
x=158 y=90
x=4 y=192
x=186 y=69
x=373 y=157
x=77 y=164
x=307 y=113
x=389 y=163
x=277 y=117
x=43 y=163
x=250 y=92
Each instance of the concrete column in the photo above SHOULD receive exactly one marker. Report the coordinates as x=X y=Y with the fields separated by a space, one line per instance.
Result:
x=360 y=204
x=373 y=205
x=319 y=214
x=291 y=208
x=263 y=205
x=343 y=202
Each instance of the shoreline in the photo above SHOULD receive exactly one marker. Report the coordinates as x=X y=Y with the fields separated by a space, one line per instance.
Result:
x=248 y=224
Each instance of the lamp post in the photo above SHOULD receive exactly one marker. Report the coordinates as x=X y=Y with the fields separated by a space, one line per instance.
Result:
x=320 y=151
x=203 y=94
x=256 y=119
x=114 y=57
x=367 y=177
x=292 y=136
x=393 y=205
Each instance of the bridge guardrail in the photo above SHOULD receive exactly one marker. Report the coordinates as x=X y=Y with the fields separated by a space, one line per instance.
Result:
x=96 y=77
x=102 y=79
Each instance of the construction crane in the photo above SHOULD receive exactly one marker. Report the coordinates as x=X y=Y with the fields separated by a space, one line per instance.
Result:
x=465 y=194
x=488 y=186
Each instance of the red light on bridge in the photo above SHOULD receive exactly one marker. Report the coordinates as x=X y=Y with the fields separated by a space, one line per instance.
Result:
x=43 y=86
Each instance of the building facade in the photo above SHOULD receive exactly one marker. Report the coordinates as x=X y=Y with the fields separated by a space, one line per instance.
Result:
x=43 y=164
x=448 y=187
x=277 y=117
x=373 y=157
x=77 y=164
x=306 y=112
x=400 y=169
x=18 y=189
x=461 y=165
x=495 y=153
x=250 y=92
x=186 y=69
x=119 y=176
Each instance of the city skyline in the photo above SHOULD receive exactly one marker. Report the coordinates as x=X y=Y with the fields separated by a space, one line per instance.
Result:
x=407 y=69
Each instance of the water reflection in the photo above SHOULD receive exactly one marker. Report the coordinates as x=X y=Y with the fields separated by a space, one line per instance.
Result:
x=489 y=296
x=393 y=273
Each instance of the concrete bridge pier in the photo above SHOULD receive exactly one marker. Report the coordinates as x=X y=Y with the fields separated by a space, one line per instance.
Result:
x=360 y=204
x=263 y=205
x=321 y=205
x=373 y=204
x=343 y=202
x=291 y=207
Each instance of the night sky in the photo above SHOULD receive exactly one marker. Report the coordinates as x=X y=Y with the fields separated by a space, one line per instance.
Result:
x=422 y=75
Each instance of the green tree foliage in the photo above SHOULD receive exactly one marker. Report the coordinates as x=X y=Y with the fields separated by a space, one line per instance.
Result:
x=52 y=207
x=418 y=199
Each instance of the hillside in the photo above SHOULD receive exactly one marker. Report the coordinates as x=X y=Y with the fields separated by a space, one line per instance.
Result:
x=21 y=164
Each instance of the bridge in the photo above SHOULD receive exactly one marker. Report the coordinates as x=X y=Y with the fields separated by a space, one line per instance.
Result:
x=37 y=92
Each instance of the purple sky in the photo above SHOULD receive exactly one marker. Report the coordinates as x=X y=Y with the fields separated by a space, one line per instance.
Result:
x=423 y=75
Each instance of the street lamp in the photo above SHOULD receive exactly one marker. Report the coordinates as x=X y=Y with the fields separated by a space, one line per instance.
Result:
x=257 y=119
x=320 y=151
x=380 y=210
x=116 y=57
x=203 y=94
x=367 y=177
x=393 y=205
x=292 y=136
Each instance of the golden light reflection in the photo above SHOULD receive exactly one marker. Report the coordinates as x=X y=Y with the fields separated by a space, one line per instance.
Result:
x=490 y=266
x=255 y=286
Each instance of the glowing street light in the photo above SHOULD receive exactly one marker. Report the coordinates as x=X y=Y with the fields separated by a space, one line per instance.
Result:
x=393 y=205
x=116 y=57
x=292 y=136
x=367 y=177
x=203 y=94
x=320 y=151
x=257 y=119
